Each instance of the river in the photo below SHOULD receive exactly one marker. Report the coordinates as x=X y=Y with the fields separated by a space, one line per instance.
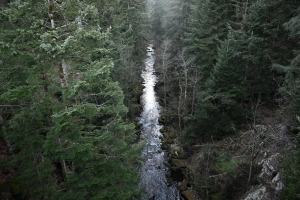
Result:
x=153 y=173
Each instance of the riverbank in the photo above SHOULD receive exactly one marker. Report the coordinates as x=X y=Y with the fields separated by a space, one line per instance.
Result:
x=246 y=165
x=249 y=163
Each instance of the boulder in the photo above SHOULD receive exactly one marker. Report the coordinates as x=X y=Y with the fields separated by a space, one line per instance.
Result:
x=277 y=184
x=176 y=151
x=178 y=163
x=189 y=194
x=183 y=185
x=167 y=164
x=260 y=128
x=269 y=166
x=270 y=175
x=257 y=194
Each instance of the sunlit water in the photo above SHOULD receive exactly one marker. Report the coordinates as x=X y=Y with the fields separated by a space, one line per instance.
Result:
x=153 y=178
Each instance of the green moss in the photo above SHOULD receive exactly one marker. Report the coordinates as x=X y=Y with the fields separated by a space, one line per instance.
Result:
x=216 y=197
x=16 y=186
x=177 y=151
x=168 y=141
x=178 y=163
x=228 y=165
x=172 y=135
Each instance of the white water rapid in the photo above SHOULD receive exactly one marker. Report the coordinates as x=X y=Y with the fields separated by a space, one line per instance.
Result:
x=153 y=173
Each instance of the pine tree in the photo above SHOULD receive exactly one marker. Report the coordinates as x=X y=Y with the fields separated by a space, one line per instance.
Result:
x=176 y=21
x=157 y=19
x=208 y=26
x=291 y=96
x=67 y=131
x=241 y=75
x=290 y=85
x=126 y=21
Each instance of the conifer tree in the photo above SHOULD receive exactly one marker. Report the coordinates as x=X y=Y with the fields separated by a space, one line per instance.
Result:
x=208 y=26
x=241 y=73
x=290 y=94
x=67 y=131
x=176 y=21
x=290 y=85
x=157 y=19
x=127 y=23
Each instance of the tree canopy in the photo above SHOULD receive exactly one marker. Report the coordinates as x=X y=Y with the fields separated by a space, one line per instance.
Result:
x=67 y=123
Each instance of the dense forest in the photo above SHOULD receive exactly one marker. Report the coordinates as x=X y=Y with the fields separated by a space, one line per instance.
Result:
x=65 y=93
x=70 y=87
x=229 y=74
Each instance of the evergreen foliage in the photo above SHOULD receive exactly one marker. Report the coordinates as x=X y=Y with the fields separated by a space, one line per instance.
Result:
x=232 y=47
x=290 y=91
x=70 y=84
x=289 y=88
x=207 y=28
x=292 y=173
x=175 y=25
x=158 y=17
x=128 y=24
x=67 y=129
x=222 y=61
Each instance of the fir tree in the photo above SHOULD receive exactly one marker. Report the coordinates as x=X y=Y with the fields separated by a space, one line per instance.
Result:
x=67 y=131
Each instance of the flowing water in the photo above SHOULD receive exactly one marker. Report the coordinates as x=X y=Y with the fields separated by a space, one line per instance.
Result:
x=153 y=172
